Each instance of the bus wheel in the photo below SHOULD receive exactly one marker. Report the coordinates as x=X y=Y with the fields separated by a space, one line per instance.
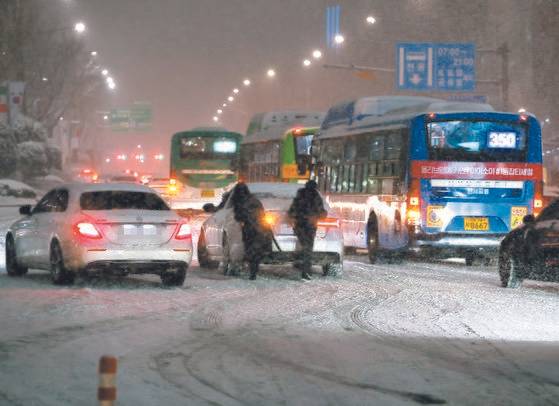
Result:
x=372 y=241
x=203 y=256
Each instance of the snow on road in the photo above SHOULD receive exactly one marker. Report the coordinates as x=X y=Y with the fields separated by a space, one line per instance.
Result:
x=396 y=334
x=415 y=333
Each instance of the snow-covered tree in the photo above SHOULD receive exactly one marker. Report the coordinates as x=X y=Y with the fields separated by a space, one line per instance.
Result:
x=32 y=159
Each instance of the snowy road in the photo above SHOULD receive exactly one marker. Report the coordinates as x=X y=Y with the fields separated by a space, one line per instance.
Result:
x=395 y=334
x=416 y=333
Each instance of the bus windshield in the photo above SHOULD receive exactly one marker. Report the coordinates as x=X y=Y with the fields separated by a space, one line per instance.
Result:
x=477 y=141
x=208 y=148
x=303 y=144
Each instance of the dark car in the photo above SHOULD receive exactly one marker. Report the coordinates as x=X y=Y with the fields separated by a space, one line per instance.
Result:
x=532 y=250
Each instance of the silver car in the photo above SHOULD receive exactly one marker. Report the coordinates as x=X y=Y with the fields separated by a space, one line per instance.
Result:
x=96 y=228
x=221 y=239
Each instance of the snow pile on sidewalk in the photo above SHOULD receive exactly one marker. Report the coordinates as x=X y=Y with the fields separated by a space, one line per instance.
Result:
x=13 y=188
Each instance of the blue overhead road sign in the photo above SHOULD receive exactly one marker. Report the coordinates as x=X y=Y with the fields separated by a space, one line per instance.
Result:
x=435 y=67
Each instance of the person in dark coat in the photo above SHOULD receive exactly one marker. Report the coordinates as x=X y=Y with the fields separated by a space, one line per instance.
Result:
x=305 y=211
x=257 y=239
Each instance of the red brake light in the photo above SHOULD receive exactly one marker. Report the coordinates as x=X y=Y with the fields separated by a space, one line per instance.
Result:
x=297 y=131
x=328 y=222
x=87 y=230
x=184 y=232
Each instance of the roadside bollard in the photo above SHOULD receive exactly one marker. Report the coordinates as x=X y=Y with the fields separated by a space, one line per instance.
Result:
x=106 y=393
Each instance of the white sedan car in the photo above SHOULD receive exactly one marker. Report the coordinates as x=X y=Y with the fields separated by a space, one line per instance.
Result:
x=96 y=228
x=221 y=237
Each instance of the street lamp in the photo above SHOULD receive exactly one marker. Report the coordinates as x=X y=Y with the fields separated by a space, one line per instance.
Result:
x=80 y=27
x=339 y=39
x=371 y=20
x=215 y=119
x=246 y=82
x=93 y=53
x=306 y=63
x=271 y=73
x=235 y=90
x=317 y=54
x=231 y=98
x=219 y=111
x=522 y=110
x=45 y=79
x=224 y=105
x=104 y=72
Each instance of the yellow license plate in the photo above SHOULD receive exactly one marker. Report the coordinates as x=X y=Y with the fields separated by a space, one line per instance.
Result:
x=476 y=224
x=208 y=193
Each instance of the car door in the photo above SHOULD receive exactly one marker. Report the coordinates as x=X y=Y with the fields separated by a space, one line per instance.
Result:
x=47 y=218
x=214 y=229
x=28 y=242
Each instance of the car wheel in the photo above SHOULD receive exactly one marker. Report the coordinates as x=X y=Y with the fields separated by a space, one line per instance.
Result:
x=58 y=272
x=12 y=267
x=508 y=270
x=334 y=269
x=203 y=255
x=372 y=241
x=174 y=276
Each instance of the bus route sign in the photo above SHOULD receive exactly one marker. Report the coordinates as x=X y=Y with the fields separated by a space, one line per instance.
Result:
x=440 y=67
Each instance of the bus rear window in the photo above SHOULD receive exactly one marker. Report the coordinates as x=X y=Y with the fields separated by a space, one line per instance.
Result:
x=207 y=148
x=477 y=141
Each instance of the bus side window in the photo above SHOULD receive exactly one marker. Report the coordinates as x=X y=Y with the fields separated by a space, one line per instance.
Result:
x=392 y=145
x=387 y=186
x=333 y=179
x=377 y=148
x=373 y=186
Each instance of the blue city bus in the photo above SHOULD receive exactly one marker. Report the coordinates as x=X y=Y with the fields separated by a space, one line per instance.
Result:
x=447 y=179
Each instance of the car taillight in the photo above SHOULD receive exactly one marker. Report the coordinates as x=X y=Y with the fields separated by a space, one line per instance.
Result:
x=184 y=232
x=88 y=230
x=328 y=222
x=269 y=219
x=413 y=213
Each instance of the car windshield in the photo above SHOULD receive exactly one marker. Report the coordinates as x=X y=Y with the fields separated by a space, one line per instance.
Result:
x=121 y=200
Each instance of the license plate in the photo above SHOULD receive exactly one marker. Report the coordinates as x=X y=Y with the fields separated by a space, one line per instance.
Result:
x=285 y=229
x=129 y=229
x=476 y=224
x=208 y=193
x=149 y=229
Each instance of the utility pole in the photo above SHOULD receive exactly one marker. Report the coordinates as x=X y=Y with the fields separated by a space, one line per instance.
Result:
x=504 y=81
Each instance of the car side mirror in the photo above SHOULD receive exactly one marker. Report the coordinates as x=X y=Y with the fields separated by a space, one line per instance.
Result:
x=25 y=210
x=529 y=219
x=209 y=208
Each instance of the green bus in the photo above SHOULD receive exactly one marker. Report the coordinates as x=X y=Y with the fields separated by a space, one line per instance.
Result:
x=204 y=165
x=277 y=147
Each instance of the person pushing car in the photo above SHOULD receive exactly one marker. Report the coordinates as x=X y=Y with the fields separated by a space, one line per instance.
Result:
x=257 y=239
x=305 y=211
